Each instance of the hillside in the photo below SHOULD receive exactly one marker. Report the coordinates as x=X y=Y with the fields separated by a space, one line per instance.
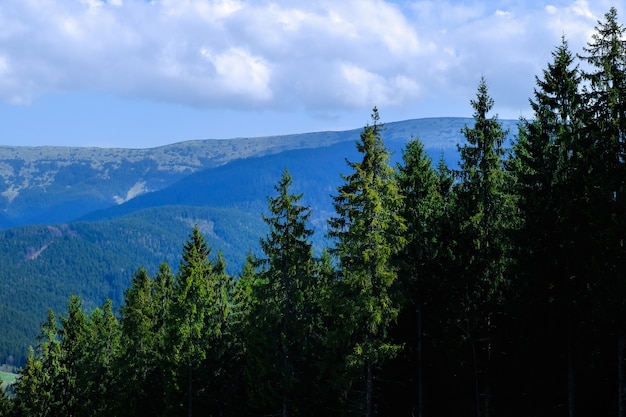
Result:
x=44 y=265
x=58 y=184
x=90 y=217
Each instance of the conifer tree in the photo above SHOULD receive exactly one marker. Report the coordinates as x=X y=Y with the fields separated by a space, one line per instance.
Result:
x=30 y=391
x=197 y=318
x=483 y=207
x=368 y=231
x=73 y=334
x=419 y=273
x=139 y=356
x=280 y=313
x=550 y=165
x=6 y=405
x=216 y=371
x=38 y=389
x=606 y=108
x=101 y=366
x=186 y=321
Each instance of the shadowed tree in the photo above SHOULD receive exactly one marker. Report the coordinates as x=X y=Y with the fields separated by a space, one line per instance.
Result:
x=482 y=212
x=605 y=97
x=549 y=164
x=281 y=307
x=420 y=272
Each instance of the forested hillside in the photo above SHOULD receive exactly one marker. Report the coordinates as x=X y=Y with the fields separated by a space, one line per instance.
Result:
x=226 y=201
x=493 y=289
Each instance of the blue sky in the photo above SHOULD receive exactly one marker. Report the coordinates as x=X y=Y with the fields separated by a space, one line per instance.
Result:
x=137 y=73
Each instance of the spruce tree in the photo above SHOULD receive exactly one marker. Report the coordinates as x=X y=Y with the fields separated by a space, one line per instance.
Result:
x=196 y=322
x=101 y=366
x=38 y=391
x=549 y=164
x=73 y=335
x=483 y=208
x=605 y=97
x=140 y=347
x=281 y=302
x=191 y=299
x=419 y=273
x=368 y=231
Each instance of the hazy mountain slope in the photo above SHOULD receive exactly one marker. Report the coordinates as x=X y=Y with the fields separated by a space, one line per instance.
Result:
x=59 y=184
x=44 y=265
x=246 y=183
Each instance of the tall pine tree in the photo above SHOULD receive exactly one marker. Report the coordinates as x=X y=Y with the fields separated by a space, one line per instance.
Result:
x=420 y=275
x=606 y=108
x=281 y=310
x=368 y=231
x=549 y=164
x=484 y=208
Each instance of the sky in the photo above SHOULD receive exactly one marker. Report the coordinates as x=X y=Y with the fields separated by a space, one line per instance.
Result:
x=140 y=74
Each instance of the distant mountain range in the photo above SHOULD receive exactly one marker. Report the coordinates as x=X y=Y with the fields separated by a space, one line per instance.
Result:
x=83 y=220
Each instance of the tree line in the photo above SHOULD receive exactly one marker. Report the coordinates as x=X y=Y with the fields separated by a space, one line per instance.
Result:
x=491 y=289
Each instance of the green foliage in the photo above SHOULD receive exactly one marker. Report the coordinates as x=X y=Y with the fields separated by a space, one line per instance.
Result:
x=482 y=212
x=368 y=231
x=283 y=306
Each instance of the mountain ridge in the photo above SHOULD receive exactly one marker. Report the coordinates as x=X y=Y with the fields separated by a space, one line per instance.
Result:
x=51 y=184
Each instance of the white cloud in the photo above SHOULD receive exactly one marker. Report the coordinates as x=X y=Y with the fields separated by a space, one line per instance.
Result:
x=575 y=20
x=209 y=11
x=317 y=55
x=240 y=73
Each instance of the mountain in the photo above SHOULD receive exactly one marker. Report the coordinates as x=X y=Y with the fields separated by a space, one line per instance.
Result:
x=59 y=184
x=83 y=220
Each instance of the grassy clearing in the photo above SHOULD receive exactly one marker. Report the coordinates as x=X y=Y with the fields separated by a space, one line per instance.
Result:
x=7 y=378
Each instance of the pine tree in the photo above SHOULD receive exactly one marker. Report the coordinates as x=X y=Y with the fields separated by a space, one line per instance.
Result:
x=420 y=272
x=483 y=207
x=368 y=232
x=139 y=357
x=73 y=334
x=606 y=108
x=281 y=298
x=38 y=391
x=197 y=318
x=549 y=165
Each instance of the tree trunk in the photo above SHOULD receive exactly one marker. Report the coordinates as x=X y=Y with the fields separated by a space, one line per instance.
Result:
x=476 y=378
x=369 y=390
x=487 y=381
x=420 y=388
x=190 y=393
x=621 y=375
x=285 y=406
x=571 y=403
x=286 y=395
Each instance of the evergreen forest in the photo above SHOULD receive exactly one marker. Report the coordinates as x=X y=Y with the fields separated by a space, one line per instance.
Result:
x=494 y=288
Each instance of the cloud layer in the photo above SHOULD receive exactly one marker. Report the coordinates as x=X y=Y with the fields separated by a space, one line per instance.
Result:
x=317 y=56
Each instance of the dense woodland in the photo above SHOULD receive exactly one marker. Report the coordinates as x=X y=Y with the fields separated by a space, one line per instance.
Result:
x=494 y=289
